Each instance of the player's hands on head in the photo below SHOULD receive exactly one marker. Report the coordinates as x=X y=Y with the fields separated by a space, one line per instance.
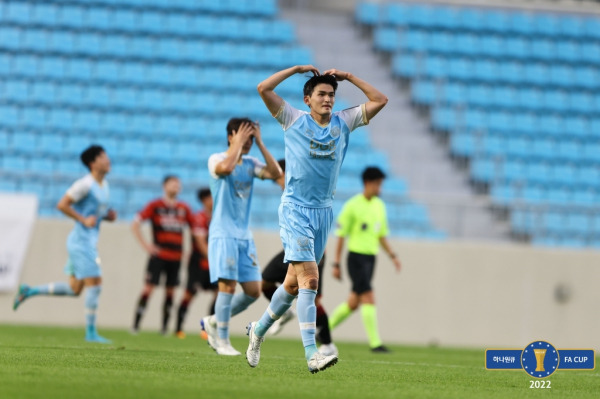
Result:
x=243 y=133
x=339 y=75
x=308 y=68
x=90 y=221
x=257 y=133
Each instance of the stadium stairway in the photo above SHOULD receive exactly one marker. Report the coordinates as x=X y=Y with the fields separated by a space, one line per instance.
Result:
x=399 y=131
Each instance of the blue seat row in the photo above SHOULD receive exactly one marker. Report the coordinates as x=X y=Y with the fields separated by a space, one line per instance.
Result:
x=513 y=195
x=532 y=124
x=120 y=46
x=428 y=92
x=74 y=10
x=554 y=222
x=139 y=100
x=145 y=22
x=534 y=172
x=412 y=66
x=114 y=122
x=476 y=19
x=475 y=45
x=43 y=82
x=469 y=144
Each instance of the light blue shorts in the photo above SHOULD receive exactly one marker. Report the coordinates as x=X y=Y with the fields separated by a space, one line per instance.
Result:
x=304 y=231
x=233 y=259
x=83 y=261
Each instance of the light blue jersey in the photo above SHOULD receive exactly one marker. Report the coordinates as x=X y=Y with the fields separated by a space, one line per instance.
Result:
x=314 y=153
x=232 y=196
x=89 y=199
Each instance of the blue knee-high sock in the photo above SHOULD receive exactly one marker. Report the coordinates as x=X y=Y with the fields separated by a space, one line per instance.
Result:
x=59 y=288
x=307 y=317
x=280 y=303
x=91 y=304
x=240 y=302
x=223 y=313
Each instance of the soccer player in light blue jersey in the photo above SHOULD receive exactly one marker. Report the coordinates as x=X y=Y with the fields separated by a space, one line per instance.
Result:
x=86 y=201
x=315 y=146
x=231 y=251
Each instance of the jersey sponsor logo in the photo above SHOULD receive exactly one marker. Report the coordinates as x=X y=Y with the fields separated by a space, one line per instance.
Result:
x=320 y=150
x=242 y=188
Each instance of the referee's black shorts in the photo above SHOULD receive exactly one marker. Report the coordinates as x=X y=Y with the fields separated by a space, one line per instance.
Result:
x=276 y=271
x=360 y=269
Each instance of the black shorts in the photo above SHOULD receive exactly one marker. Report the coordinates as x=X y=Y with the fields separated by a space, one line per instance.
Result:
x=360 y=269
x=197 y=277
x=276 y=270
x=157 y=266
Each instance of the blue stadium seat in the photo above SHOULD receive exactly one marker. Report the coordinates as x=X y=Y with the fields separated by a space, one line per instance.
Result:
x=367 y=13
x=35 y=40
x=42 y=166
x=70 y=16
x=23 y=142
x=35 y=117
x=16 y=90
x=60 y=118
x=44 y=14
x=49 y=67
x=406 y=65
x=14 y=163
x=10 y=38
x=43 y=92
x=50 y=144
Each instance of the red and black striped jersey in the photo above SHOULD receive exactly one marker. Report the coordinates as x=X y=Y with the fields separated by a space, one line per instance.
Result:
x=168 y=222
x=201 y=224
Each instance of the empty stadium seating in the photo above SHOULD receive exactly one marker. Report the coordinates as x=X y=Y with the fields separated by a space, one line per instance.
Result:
x=518 y=93
x=154 y=82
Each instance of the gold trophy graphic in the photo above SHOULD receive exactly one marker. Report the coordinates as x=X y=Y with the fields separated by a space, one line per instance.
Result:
x=540 y=354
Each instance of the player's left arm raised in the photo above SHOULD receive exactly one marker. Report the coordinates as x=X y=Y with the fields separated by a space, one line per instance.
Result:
x=377 y=100
x=272 y=169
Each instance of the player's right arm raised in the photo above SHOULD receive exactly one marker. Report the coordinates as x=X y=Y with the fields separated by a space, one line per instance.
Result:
x=266 y=88
x=234 y=152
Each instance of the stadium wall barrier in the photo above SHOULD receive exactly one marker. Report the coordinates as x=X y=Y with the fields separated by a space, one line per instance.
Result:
x=465 y=294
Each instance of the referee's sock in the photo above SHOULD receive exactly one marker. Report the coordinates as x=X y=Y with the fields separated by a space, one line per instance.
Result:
x=369 y=316
x=340 y=314
x=60 y=288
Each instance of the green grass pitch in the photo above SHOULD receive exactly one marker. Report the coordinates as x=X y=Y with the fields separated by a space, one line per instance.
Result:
x=50 y=362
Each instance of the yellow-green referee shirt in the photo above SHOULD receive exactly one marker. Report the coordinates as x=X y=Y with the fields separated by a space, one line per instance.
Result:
x=364 y=222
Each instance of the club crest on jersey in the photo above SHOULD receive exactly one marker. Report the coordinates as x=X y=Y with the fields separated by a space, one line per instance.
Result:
x=309 y=133
x=335 y=132
x=303 y=243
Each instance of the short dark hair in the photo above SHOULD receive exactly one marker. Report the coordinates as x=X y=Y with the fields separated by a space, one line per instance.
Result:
x=372 y=173
x=169 y=177
x=311 y=83
x=235 y=123
x=90 y=154
x=281 y=163
x=203 y=192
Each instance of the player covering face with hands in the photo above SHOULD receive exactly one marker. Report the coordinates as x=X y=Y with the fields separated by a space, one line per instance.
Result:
x=315 y=145
x=231 y=251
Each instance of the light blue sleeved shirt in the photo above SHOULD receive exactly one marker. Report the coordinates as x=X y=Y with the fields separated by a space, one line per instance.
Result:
x=89 y=199
x=232 y=197
x=314 y=153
